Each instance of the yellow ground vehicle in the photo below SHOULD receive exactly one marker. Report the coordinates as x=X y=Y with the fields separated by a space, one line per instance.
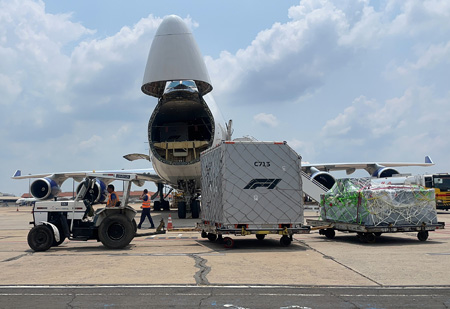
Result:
x=441 y=185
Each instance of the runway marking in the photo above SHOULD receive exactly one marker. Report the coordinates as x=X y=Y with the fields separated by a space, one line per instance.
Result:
x=222 y=294
x=300 y=287
x=438 y=253
x=172 y=238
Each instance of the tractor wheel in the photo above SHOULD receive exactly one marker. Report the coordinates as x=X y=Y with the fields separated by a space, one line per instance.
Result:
x=260 y=236
x=134 y=225
x=116 y=232
x=40 y=238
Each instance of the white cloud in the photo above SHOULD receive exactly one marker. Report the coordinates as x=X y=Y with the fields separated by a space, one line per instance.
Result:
x=347 y=81
x=266 y=119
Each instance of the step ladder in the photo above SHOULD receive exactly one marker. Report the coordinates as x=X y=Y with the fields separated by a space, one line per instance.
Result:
x=311 y=187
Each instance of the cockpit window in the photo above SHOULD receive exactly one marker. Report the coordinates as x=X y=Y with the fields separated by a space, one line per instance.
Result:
x=188 y=85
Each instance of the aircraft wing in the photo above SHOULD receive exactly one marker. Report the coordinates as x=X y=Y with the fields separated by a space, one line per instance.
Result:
x=142 y=175
x=137 y=156
x=370 y=167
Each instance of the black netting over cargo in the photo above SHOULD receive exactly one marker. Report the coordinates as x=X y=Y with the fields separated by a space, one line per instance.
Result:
x=373 y=203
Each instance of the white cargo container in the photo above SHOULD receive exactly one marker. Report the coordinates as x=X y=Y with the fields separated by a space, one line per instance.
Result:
x=251 y=188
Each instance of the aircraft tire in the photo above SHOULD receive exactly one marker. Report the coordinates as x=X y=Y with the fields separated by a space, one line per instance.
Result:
x=40 y=238
x=157 y=206
x=181 y=210
x=165 y=205
x=195 y=208
x=116 y=231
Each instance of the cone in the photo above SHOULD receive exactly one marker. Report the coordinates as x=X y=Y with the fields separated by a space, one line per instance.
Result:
x=169 y=223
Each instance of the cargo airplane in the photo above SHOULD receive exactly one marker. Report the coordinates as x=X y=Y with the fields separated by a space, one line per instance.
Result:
x=184 y=123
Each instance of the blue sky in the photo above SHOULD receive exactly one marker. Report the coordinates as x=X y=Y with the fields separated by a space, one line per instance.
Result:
x=341 y=81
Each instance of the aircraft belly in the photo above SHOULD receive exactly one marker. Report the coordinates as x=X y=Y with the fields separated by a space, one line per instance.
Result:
x=173 y=173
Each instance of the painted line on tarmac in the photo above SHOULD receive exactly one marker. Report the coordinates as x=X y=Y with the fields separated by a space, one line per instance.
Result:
x=245 y=286
x=172 y=238
x=223 y=294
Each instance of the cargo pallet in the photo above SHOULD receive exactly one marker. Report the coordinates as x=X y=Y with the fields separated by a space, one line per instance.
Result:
x=369 y=234
x=216 y=232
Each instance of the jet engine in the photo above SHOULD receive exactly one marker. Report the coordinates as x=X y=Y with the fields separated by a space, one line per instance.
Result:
x=383 y=172
x=324 y=178
x=44 y=188
x=98 y=194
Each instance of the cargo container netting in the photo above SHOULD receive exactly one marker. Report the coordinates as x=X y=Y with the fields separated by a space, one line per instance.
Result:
x=368 y=202
x=255 y=183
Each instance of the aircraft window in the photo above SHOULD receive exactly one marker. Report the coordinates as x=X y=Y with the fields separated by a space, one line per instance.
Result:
x=181 y=84
x=189 y=83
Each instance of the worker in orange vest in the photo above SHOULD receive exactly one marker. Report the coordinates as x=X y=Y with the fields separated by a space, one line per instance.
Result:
x=113 y=198
x=146 y=199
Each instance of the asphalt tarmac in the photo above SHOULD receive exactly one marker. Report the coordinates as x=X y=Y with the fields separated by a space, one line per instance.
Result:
x=180 y=269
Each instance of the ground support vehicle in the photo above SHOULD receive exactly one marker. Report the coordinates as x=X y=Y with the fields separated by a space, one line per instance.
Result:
x=441 y=185
x=54 y=221
x=251 y=188
x=370 y=233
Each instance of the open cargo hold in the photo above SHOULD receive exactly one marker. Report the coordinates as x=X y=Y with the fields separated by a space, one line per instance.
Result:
x=251 y=188
x=371 y=207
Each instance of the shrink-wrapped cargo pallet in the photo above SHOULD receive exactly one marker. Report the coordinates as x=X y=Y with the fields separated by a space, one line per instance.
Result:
x=363 y=201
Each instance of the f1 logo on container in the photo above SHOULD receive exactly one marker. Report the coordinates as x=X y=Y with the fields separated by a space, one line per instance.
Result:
x=262 y=182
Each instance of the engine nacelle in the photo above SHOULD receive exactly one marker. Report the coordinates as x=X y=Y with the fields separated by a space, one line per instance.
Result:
x=384 y=172
x=44 y=188
x=324 y=178
x=99 y=192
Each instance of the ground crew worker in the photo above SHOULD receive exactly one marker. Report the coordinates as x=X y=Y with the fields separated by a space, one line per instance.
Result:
x=146 y=199
x=113 y=198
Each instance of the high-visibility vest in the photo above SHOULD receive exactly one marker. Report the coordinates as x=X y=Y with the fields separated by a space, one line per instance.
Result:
x=109 y=198
x=146 y=204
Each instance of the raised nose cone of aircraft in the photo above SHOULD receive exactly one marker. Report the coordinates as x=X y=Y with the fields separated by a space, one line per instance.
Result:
x=174 y=55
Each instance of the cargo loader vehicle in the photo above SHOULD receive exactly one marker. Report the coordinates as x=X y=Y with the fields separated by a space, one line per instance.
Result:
x=55 y=221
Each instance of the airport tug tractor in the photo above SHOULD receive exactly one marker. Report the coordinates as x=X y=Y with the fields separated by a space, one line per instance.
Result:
x=54 y=221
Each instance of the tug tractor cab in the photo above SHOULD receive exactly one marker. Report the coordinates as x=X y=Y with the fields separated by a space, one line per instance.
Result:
x=54 y=221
